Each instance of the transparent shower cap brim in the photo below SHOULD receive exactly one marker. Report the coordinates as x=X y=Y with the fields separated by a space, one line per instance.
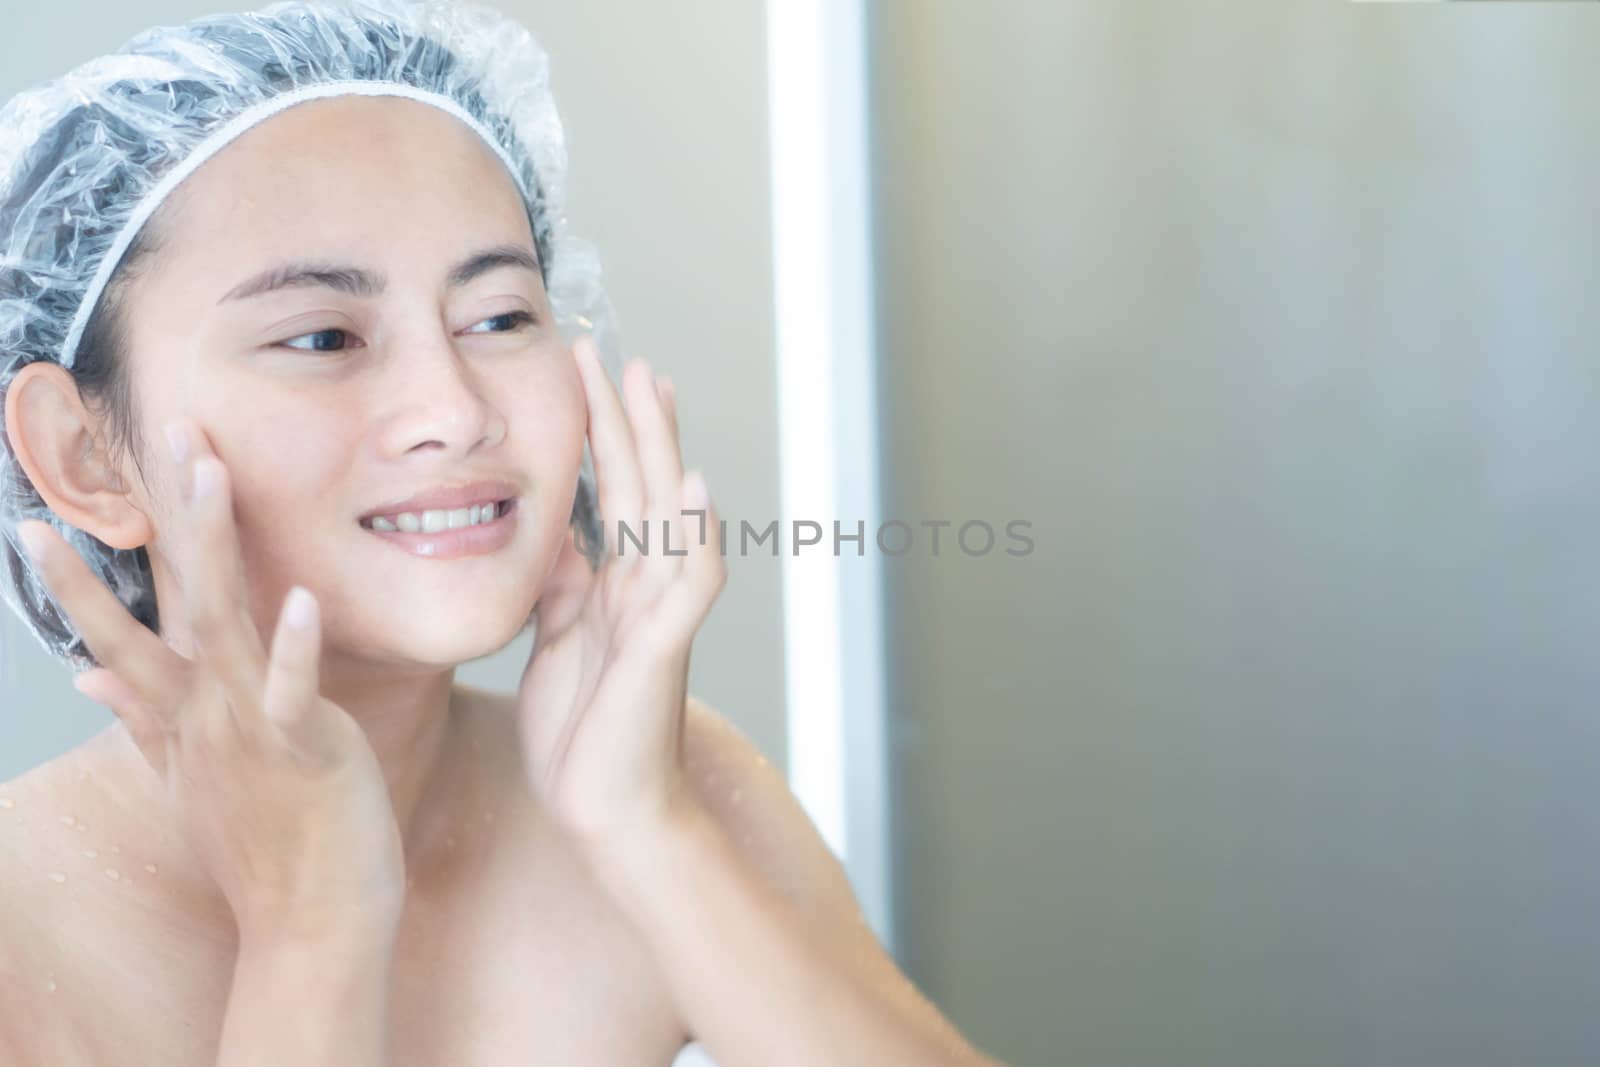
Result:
x=229 y=132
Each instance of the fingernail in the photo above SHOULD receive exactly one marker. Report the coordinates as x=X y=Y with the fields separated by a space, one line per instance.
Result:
x=205 y=479
x=32 y=540
x=694 y=488
x=178 y=441
x=299 y=610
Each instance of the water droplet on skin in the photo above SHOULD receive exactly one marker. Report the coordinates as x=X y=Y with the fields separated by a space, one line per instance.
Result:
x=449 y=842
x=57 y=877
x=7 y=802
x=117 y=849
x=113 y=874
x=488 y=816
x=91 y=853
x=52 y=985
x=735 y=795
x=69 y=820
x=150 y=867
x=82 y=827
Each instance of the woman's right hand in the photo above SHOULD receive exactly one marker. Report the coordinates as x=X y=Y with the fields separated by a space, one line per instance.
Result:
x=275 y=787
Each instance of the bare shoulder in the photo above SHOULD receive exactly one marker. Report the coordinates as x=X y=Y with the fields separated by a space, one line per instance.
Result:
x=751 y=800
x=31 y=899
x=749 y=797
x=38 y=809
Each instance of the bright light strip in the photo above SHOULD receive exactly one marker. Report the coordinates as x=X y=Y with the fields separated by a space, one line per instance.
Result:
x=828 y=433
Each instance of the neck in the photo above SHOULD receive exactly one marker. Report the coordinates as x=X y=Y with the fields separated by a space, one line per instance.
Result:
x=408 y=720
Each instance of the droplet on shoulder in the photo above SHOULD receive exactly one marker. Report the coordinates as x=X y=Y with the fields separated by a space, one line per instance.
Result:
x=735 y=795
x=68 y=820
x=51 y=985
x=7 y=802
x=91 y=852
x=113 y=874
x=57 y=876
x=150 y=867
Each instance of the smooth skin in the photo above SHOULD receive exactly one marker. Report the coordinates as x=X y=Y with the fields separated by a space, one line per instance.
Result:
x=592 y=870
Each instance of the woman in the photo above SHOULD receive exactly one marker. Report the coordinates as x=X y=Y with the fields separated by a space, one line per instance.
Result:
x=292 y=430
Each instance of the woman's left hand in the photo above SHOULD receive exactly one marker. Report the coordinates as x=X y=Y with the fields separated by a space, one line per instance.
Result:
x=601 y=703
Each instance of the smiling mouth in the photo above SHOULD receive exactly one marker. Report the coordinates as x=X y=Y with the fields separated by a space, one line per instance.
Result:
x=441 y=520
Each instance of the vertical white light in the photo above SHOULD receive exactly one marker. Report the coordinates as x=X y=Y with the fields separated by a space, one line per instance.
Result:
x=828 y=411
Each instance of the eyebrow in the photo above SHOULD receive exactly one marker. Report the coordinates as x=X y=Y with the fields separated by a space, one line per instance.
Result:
x=359 y=281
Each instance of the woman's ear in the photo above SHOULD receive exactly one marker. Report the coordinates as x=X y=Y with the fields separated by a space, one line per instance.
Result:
x=59 y=444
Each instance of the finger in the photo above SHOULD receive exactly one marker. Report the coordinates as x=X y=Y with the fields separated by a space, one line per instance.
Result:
x=669 y=398
x=659 y=460
x=218 y=598
x=119 y=642
x=662 y=466
x=618 y=481
x=208 y=716
x=686 y=601
x=143 y=725
x=292 y=687
x=669 y=401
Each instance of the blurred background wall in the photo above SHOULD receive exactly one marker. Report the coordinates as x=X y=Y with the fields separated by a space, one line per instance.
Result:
x=1278 y=319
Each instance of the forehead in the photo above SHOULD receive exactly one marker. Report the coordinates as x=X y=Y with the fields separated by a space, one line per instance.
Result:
x=347 y=166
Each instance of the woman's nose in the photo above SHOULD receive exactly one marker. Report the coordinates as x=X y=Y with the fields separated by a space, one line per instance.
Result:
x=439 y=399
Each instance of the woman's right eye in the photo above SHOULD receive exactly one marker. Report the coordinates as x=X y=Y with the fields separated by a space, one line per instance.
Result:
x=316 y=345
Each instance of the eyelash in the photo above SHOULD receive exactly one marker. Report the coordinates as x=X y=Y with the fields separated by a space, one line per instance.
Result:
x=522 y=319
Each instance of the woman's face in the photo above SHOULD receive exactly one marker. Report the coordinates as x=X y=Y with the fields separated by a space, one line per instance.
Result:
x=326 y=401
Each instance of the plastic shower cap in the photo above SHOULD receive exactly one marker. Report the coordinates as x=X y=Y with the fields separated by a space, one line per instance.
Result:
x=87 y=158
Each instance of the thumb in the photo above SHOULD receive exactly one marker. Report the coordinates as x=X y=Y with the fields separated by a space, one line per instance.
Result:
x=291 y=699
x=105 y=687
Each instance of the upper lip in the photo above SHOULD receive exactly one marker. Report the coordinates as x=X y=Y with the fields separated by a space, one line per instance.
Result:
x=447 y=498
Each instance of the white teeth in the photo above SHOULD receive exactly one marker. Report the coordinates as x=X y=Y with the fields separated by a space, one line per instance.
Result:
x=435 y=521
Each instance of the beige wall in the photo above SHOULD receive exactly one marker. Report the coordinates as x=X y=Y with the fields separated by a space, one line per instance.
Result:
x=667 y=136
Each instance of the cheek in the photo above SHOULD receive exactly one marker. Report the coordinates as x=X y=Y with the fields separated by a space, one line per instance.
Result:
x=550 y=419
x=275 y=473
x=281 y=469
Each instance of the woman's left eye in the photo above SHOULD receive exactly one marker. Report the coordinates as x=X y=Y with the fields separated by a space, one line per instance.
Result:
x=516 y=319
x=314 y=337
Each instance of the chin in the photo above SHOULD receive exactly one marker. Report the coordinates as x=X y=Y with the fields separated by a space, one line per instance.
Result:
x=447 y=639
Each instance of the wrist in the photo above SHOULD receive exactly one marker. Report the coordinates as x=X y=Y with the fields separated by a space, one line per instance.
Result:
x=330 y=929
x=649 y=845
